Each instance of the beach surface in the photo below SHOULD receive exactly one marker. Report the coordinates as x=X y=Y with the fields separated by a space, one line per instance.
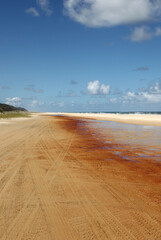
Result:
x=62 y=178
x=142 y=119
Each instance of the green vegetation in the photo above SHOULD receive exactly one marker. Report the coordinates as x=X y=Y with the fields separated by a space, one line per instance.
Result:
x=14 y=114
x=9 y=108
x=8 y=111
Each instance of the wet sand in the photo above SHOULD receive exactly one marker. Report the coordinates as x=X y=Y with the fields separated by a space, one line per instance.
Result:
x=63 y=178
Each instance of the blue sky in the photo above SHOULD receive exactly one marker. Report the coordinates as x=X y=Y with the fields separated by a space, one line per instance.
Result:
x=84 y=55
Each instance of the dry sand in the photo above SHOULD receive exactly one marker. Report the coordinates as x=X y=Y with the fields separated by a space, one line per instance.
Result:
x=52 y=187
x=143 y=119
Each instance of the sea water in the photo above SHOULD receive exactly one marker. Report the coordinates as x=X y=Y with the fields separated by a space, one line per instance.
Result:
x=144 y=141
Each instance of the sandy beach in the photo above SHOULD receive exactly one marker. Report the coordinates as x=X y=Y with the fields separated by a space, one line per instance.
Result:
x=143 y=119
x=60 y=180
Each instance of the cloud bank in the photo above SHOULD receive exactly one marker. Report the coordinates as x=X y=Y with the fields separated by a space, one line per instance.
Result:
x=106 y=13
x=150 y=95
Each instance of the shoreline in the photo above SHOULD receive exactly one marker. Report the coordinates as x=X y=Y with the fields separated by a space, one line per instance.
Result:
x=138 y=119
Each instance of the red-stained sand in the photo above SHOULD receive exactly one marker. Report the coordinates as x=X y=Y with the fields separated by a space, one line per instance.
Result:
x=60 y=180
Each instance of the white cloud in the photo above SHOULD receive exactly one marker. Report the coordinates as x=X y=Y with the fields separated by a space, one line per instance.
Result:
x=36 y=103
x=104 y=89
x=144 y=33
x=131 y=94
x=33 y=12
x=33 y=103
x=150 y=98
x=95 y=88
x=113 y=100
x=155 y=88
x=150 y=95
x=15 y=101
x=158 y=31
x=140 y=34
x=45 y=6
x=99 y=13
